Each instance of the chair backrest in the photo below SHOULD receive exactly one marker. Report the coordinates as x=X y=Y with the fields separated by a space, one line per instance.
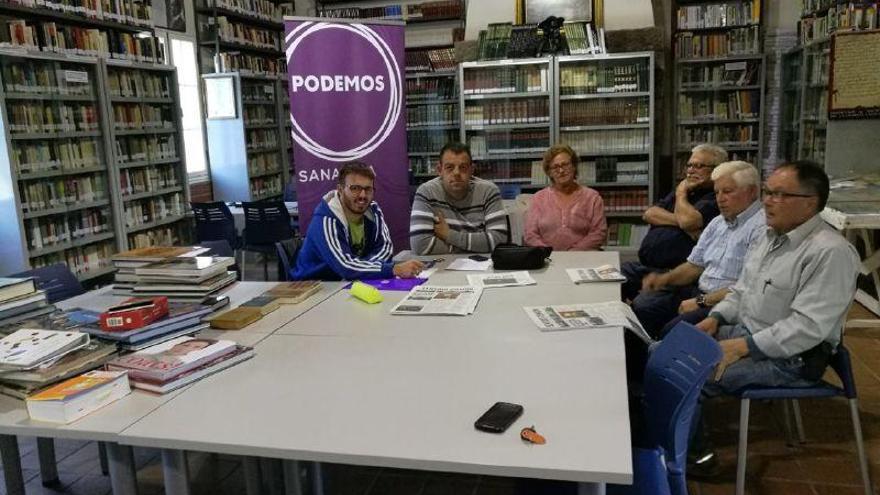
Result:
x=266 y=222
x=287 y=251
x=217 y=248
x=57 y=280
x=214 y=222
x=674 y=376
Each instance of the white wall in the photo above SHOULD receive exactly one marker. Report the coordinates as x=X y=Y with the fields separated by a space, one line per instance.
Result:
x=628 y=14
x=480 y=13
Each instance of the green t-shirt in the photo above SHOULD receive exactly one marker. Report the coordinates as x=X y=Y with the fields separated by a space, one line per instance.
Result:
x=356 y=235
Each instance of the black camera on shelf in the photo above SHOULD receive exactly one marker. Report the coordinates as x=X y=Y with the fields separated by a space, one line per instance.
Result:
x=551 y=42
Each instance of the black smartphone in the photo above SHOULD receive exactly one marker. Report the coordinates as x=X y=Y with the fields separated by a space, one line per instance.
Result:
x=499 y=417
x=478 y=257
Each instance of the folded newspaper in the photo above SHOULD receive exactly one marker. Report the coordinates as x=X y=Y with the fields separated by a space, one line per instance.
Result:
x=433 y=300
x=596 y=315
x=503 y=279
x=604 y=273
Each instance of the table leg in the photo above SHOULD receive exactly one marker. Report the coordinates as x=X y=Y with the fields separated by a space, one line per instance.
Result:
x=251 y=469
x=11 y=458
x=272 y=475
x=120 y=462
x=317 y=479
x=102 y=458
x=175 y=471
x=292 y=478
x=48 y=464
x=591 y=488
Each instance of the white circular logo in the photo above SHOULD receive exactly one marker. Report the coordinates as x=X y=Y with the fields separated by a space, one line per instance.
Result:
x=395 y=86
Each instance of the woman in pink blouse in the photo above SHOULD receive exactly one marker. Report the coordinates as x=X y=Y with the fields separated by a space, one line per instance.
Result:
x=565 y=216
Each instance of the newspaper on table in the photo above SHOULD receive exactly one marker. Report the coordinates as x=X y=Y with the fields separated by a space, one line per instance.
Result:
x=595 y=315
x=434 y=300
x=501 y=279
x=604 y=273
x=467 y=264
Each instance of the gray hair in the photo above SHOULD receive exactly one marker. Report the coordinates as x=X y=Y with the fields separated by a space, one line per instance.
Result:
x=743 y=173
x=718 y=154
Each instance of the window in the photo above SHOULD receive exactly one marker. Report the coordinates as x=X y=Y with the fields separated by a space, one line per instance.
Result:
x=184 y=55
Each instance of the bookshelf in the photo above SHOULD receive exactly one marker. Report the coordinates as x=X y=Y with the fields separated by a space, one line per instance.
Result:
x=605 y=112
x=57 y=193
x=719 y=79
x=245 y=38
x=148 y=153
x=246 y=147
x=432 y=119
x=792 y=86
x=507 y=116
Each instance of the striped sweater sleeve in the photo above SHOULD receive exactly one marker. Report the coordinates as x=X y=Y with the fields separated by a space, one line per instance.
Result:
x=495 y=229
x=336 y=252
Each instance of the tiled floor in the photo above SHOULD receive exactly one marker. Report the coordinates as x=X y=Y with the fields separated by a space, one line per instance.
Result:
x=826 y=464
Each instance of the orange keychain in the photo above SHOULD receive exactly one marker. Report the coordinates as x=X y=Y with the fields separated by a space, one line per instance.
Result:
x=530 y=435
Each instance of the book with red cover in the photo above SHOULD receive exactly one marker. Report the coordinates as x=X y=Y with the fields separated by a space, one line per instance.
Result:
x=134 y=313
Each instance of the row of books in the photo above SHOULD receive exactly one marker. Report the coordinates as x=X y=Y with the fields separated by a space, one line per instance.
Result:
x=245 y=34
x=516 y=141
x=625 y=200
x=603 y=78
x=144 y=211
x=45 y=77
x=142 y=148
x=609 y=141
x=257 y=91
x=73 y=40
x=56 y=192
x=261 y=9
x=727 y=14
x=818 y=68
x=581 y=39
x=602 y=170
x=133 y=12
x=45 y=232
x=514 y=79
x=138 y=84
x=741 y=41
x=615 y=111
x=810 y=7
x=36 y=117
x=431 y=60
x=523 y=110
x=247 y=64
x=626 y=234
x=61 y=154
x=432 y=115
x=267 y=302
x=426 y=11
x=429 y=140
x=81 y=260
x=503 y=171
x=492 y=43
x=259 y=115
x=263 y=163
x=431 y=88
x=141 y=116
x=843 y=16
x=729 y=74
x=146 y=179
x=813 y=146
x=261 y=139
x=423 y=166
x=163 y=236
x=727 y=135
x=729 y=106
x=816 y=105
x=265 y=187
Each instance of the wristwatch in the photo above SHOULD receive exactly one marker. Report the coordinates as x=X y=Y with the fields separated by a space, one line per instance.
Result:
x=701 y=301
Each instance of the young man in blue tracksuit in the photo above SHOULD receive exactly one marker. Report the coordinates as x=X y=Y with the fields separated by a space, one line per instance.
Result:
x=347 y=237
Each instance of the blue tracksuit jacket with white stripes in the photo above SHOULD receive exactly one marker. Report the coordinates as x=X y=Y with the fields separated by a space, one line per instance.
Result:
x=326 y=253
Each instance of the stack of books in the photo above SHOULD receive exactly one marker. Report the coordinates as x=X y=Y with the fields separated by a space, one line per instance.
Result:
x=126 y=262
x=77 y=397
x=20 y=300
x=178 y=362
x=186 y=278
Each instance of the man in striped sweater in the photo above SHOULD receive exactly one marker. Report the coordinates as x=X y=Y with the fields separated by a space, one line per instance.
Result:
x=457 y=212
x=347 y=237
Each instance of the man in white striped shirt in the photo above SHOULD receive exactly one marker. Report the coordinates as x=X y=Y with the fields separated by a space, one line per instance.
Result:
x=457 y=212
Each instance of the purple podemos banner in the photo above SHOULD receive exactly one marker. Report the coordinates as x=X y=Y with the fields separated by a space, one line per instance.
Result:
x=346 y=103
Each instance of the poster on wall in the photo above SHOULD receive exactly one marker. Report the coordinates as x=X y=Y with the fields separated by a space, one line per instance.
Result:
x=346 y=104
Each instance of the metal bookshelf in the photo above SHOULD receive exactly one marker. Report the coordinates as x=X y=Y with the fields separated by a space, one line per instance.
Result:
x=433 y=114
x=605 y=111
x=813 y=119
x=58 y=203
x=719 y=79
x=245 y=147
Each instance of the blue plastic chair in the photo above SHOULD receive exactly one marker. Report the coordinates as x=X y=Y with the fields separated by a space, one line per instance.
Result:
x=57 y=280
x=674 y=377
x=215 y=222
x=841 y=364
x=287 y=252
x=265 y=223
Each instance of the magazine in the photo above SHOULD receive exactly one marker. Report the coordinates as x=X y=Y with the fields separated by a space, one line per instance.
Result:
x=604 y=273
x=169 y=359
x=468 y=264
x=432 y=300
x=596 y=315
x=501 y=279
x=30 y=347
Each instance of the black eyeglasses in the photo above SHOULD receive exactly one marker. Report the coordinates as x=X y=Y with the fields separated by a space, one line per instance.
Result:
x=782 y=195
x=356 y=189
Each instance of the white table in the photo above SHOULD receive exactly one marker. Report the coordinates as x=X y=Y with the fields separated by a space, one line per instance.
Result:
x=105 y=424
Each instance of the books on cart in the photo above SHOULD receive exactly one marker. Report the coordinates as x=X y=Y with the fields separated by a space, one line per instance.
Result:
x=435 y=300
x=294 y=292
x=78 y=396
x=501 y=279
x=604 y=273
x=28 y=348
